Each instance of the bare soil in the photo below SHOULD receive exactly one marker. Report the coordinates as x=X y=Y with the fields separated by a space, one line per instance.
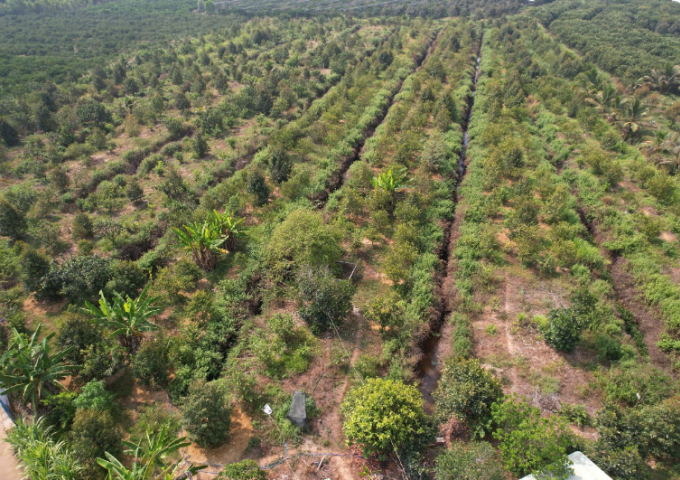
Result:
x=515 y=352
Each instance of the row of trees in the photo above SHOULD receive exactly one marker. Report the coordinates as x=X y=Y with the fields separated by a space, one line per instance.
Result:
x=385 y=418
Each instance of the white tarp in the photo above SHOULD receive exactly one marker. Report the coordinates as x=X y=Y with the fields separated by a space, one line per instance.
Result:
x=583 y=468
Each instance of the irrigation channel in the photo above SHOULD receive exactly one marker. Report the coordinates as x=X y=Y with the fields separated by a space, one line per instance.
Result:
x=429 y=367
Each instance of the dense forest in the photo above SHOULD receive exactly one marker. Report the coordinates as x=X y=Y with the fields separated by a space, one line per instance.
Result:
x=308 y=239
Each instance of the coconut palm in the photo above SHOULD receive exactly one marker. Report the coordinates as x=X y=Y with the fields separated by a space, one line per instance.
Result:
x=604 y=98
x=589 y=83
x=204 y=241
x=151 y=455
x=632 y=112
x=28 y=367
x=662 y=79
x=660 y=142
x=127 y=317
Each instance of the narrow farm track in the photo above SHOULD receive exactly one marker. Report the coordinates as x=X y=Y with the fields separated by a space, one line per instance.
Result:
x=429 y=368
x=648 y=319
x=339 y=178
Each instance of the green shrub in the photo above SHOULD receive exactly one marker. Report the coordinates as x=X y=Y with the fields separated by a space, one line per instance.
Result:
x=199 y=145
x=608 y=348
x=151 y=363
x=153 y=418
x=474 y=461
x=243 y=470
x=206 y=413
x=562 y=331
x=79 y=278
x=93 y=434
x=575 y=414
x=325 y=300
x=528 y=442
x=61 y=410
x=301 y=239
x=257 y=186
x=94 y=396
x=285 y=349
x=133 y=191
x=12 y=222
x=175 y=127
x=387 y=310
x=127 y=278
x=381 y=415
x=621 y=464
x=35 y=266
x=280 y=166
x=633 y=383
x=661 y=430
x=467 y=391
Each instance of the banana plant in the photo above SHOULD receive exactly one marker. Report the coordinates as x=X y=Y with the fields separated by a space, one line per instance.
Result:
x=29 y=368
x=205 y=242
x=391 y=181
x=151 y=454
x=229 y=225
x=127 y=317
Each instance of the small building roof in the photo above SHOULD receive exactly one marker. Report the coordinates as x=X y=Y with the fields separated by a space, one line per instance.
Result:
x=584 y=469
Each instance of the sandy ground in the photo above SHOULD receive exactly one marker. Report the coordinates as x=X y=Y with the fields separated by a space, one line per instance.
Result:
x=239 y=434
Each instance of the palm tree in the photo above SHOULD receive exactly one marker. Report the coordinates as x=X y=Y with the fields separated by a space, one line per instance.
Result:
x=129 y=318
x=660 y=142
x=151 y=454
x=661 y=79
x=28 y=367
x=204 y=241
x=604 y=98
x=228 y=224
x=633 y=111
x=589 y=83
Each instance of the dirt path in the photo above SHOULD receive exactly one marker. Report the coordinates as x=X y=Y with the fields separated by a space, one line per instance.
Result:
x=303 y=460
x=343 y=465
x=9 y=465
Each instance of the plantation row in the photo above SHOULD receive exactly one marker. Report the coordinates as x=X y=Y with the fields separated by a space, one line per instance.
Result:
x=627 y=38
x=144 y=162
x=628 y=195
x=527 y=267
x=62 y=46
x=399 y=197
x=435 y=9
x=212 y=326
x=432 y=227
